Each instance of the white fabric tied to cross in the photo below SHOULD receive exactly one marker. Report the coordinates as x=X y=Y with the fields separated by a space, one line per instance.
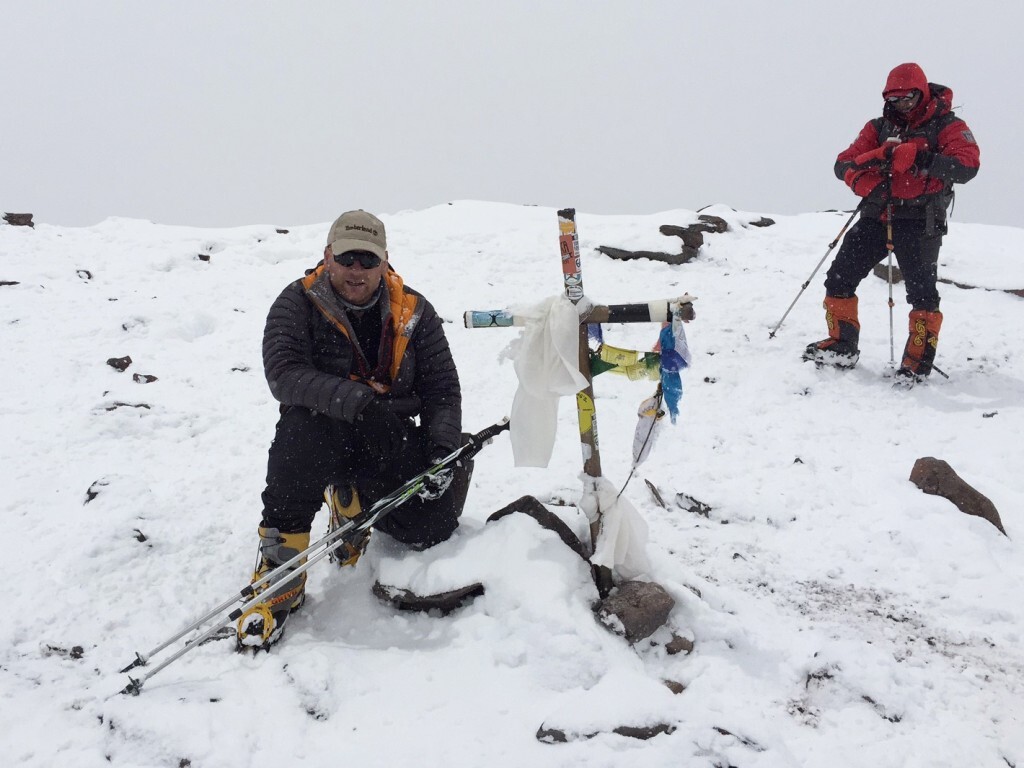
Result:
x=547 y=362
x=622 y=542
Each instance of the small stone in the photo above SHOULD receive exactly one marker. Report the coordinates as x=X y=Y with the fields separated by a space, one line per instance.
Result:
x=675 y=686
x=679 y=645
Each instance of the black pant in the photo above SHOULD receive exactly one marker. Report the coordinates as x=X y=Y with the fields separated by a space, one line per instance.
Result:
x=917 y=255
x=311 y=450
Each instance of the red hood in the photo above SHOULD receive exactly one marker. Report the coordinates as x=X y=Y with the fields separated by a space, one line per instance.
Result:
x=935 y=99
x=906 y=77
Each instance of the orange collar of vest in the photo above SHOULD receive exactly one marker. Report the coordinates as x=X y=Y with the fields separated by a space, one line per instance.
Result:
x=405 y=311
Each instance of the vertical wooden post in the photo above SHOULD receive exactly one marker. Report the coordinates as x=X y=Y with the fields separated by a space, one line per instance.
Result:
x=572 y=277
x=586 y=410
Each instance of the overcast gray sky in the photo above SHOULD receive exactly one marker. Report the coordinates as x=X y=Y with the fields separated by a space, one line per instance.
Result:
x=215 y=113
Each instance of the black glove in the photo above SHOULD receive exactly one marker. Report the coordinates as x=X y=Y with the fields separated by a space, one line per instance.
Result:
x=436 y=484
x=382 y=431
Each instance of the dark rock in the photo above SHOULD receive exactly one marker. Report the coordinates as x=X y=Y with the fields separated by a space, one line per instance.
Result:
x=529 y=505
x=281 y=231
x=9 y=282
x=646 y=732
x=120 y=363
x=656 y=494
x=143 y=378
x=1012 y=291
x=203 y=256
x=559 y=736
x=19 y=219
x=445 y=602
x=114 y=406
x=679 y=645
x=94 y=490
x=881 y=270
x=936 y=477
x=764 y=221
x=675 y=686
x=692 y=236
x=716 y=223
x=551 y=735
x=75 y=652
x=85 y=274
x=687 y=254
x=690 y=504
x=641 y=607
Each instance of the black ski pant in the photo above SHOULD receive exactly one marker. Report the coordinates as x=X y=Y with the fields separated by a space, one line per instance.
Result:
x=916 y=252
x=311 y=451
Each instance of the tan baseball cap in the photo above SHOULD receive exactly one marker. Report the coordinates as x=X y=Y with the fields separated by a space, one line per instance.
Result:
x=358 y=231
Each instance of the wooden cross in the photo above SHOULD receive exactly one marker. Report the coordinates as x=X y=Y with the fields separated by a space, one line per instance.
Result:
x=661 y=311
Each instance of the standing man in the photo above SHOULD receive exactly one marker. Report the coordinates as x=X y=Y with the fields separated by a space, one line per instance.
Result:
x=353 y=354
x=904 y=165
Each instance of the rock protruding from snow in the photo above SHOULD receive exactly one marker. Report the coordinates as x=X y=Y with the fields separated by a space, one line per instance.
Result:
x=444 y=602
x=558 y=736
x=692 y=236
x=120 y=363
x=19 y=219
x=936 y=477
x=636 y=609
x=530 y=506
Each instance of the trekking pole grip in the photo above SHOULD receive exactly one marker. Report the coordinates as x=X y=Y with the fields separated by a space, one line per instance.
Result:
x=484 y=436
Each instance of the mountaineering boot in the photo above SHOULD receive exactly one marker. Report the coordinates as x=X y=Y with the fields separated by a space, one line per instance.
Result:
x=343 y=504
x=839 y=350
x=262 y=625
x=919 y=353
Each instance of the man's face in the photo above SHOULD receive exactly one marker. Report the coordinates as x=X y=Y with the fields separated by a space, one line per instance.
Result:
x=354 y=282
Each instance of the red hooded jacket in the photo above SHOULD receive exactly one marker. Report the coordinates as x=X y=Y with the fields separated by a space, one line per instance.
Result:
x=947 y=153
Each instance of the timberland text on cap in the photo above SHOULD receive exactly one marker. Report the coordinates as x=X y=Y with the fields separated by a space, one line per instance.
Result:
x=358 y=231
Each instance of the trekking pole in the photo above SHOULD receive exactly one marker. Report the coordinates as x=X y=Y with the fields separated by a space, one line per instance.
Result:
x=771 y=333
x=274 y=575
x=134 y=686
x=889 y=247
x=279 y=576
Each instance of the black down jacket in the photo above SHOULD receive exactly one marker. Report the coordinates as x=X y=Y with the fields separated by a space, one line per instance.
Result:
x=308 y=361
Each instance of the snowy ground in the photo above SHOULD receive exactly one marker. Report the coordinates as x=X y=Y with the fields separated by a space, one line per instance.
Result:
x=844 y=619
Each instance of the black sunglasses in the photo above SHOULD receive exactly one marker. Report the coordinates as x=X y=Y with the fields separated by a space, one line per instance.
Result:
x=908 y=97
x=366 y=259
